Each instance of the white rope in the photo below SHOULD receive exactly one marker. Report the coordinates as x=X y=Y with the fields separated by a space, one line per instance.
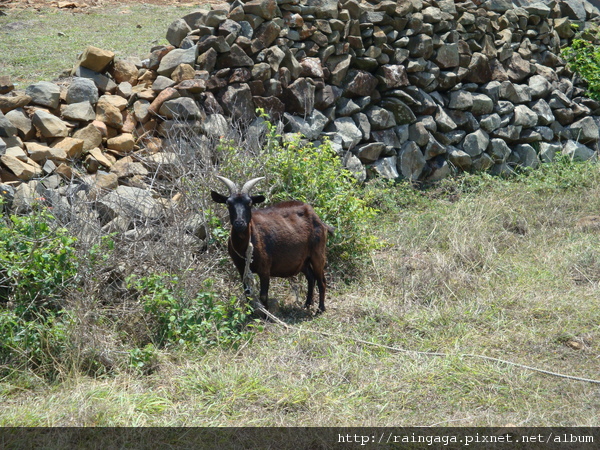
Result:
x=420 y=353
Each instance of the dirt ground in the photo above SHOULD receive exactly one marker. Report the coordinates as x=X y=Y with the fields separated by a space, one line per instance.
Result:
x=86 y=4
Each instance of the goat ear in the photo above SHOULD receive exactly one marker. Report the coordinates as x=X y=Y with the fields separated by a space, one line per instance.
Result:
x=258 y=199
x=218 y=198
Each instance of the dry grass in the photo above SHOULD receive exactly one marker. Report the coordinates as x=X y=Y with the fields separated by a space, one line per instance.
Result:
x=504 y=271
x=474 y=266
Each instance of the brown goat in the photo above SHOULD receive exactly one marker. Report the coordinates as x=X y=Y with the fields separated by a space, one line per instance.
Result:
x=288 y=238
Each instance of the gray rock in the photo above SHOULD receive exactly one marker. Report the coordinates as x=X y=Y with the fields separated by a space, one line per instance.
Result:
x=461 y=100
x=82 y=90
x=544 y=112
x=347 y=130
x=177 y=32
x=439 y=169
x=402 y=114
x=369 y=153
x=130 y=203
x=49 y=125
x=176 y=57
x=527 y=156
x=44 y=93
x=237 y=102
x=482 y=104
x=161 y=83
x=577 y=151
x=515 y=93
x=539 y=86
x=215 y=125
x=380 y=118
x=353 y=164
x=447 y=56
x=311 y=127
x=7 y=129
x=444 y=121
x=183 y=108
x=525 y=117
x=81 y=112
x=499 y=150
x=459 y=159
x=104 y=84
x=22 y=122
x=490 y=122
x=386 y=167
x=389 y=137
x=584 y=130
x=548 y=151
x=476 y=143
x=483 y=163
x=411 y=161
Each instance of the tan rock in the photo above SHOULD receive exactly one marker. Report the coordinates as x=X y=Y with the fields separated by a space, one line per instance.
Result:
x=17 y=152
x=22 y=170
x=96 y=59
x=125 y=70
x=104 y=182
x=147 y=128
x=167 y=94
x=122 y=143
x=194 y=86
x=101 y=157
x=49 y=125
x=115 y=100
x=109 y=114
x=90 y=135
x=71 y=146
x=5 y=84
x=41 y=153
x=145 y=94
x=129 y=122
x=65 y=171
x=10 y=102
x=101 y=126
x=127 y=167
x=147 y=78
x=152 y=144
x=183 y=72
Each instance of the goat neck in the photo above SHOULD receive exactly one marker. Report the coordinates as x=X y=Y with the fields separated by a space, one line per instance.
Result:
x=239 y=241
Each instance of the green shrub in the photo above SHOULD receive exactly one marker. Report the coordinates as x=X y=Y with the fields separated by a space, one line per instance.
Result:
x=38 y=262
x=583 y=57
x=178 y=319
x=38 y=266
x=314 y=174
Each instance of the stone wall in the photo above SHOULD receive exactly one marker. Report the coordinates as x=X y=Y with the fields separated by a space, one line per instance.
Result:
x=416 y=89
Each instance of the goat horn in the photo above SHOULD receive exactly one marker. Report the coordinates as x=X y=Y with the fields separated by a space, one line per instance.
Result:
x=230 y=184
x=250 y=184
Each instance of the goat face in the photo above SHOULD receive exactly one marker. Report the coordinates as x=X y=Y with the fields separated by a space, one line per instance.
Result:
x=240 y=208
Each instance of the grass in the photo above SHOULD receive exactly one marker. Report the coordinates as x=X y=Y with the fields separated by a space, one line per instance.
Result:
x=473 y=265
x=476 y=266
x=39 y=46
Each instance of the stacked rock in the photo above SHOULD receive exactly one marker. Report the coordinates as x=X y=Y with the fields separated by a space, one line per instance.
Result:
x=414 y=89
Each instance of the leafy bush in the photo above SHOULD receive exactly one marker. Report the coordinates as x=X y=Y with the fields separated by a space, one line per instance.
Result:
x=38 y=266
x=38 y=262
x=583 y=57
x=178 y=319
x=300 y=170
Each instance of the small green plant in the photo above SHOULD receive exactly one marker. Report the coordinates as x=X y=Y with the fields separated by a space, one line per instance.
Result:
x=202 y=319
x=38 y=262
x=38 y=266
x=583 y=57
x=143 y=360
